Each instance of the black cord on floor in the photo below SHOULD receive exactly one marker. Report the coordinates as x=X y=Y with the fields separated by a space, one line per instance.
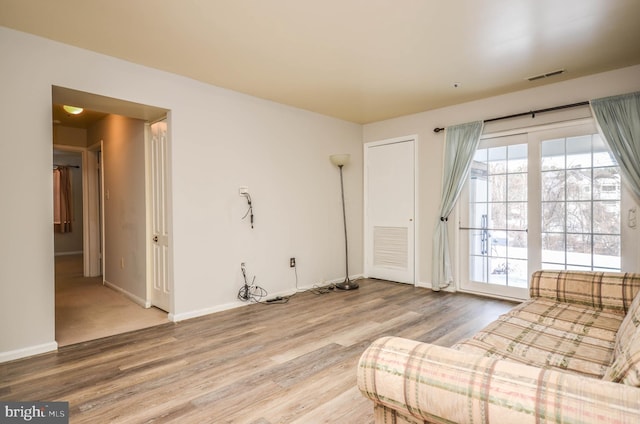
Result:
x=253 y=293
x=278 y=300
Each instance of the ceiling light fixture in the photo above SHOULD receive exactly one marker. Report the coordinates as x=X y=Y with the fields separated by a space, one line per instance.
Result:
x=73 y=109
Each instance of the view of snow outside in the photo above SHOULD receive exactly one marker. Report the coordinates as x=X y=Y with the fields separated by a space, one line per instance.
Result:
x=580 y=210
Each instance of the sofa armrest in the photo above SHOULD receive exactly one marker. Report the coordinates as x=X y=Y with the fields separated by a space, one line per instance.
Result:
x=439 y=384
x=611 y=291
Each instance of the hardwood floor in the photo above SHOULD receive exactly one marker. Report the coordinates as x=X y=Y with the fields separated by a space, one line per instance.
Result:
x=259 y=364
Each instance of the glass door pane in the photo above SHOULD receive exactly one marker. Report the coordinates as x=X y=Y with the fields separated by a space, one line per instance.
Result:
x=498 y=216
x=581 y=192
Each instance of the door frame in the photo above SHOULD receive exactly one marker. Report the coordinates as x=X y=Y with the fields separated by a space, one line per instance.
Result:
x=368 y=238
x=94 y=229
x=91 y=228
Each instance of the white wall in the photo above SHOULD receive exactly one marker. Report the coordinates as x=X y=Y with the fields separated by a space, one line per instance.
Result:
x=124 y=204
x=220 y=140
x=430 y=147
x=69 y=136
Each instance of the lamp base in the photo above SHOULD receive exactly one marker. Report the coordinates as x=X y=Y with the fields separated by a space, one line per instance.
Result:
x=347 y=285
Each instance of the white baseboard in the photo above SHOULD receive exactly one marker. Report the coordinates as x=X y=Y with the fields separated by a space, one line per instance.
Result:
x=140 y=301
x=206 y=311
x=323 y=284
x=28 y=351
x=219 y=308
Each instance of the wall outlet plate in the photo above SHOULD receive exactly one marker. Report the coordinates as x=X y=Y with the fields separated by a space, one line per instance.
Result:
x=243 y=190
x=292 y=262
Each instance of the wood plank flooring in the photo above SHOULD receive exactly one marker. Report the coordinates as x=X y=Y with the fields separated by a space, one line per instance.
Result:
x=260 y=364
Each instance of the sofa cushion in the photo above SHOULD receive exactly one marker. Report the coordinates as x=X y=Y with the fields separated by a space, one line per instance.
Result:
x=626 y=357
x=612 y=291
x=629 y=326
x=551 y=334
x=626 y=365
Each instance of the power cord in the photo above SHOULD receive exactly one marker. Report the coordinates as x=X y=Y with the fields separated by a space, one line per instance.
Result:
x=256 y=293
x=250 y=291
x=250 y=210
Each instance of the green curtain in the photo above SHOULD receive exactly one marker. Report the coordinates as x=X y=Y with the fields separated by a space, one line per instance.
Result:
x=461 y=142
x=619 y=121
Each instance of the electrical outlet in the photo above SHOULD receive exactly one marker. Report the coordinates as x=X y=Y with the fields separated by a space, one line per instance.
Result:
x=292 y=262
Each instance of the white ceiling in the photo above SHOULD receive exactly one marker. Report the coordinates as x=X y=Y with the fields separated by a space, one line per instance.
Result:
x=359 y=60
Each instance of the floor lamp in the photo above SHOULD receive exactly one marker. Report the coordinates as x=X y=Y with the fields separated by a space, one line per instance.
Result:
x=340 y=161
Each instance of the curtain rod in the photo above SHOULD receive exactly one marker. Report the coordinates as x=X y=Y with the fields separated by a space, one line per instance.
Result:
x=532 y=113
x=68 y=166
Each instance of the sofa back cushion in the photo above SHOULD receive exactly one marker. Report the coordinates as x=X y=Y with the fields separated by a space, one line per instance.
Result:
x=628 y=327
x=610 y=291
x=625 y=367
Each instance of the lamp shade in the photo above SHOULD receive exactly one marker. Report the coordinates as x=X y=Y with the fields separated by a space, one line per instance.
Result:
x=341 y=159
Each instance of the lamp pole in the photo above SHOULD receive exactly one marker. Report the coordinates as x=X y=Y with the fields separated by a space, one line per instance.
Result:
x=346 y=284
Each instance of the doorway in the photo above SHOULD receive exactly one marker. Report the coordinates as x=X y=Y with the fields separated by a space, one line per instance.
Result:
x=389 y=179
x=102 y=290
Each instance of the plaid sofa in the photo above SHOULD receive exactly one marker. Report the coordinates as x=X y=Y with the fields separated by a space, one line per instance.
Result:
x=570 y=354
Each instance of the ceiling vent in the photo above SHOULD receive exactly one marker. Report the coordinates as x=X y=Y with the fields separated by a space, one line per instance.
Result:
x=548 y=74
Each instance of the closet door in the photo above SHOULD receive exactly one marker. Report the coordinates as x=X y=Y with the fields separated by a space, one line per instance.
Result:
x=390 y=210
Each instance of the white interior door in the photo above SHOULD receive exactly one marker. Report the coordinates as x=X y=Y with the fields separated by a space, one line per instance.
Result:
x=158 y=269
x=390 y=210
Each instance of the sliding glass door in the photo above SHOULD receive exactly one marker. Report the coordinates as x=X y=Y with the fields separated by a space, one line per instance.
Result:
x=540 y=199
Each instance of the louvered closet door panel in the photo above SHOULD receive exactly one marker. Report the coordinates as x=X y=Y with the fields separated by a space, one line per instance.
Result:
x=389 y=237
x=390 y=247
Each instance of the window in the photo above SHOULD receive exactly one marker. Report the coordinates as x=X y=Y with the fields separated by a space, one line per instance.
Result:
x=548 y=198
x=581 y=194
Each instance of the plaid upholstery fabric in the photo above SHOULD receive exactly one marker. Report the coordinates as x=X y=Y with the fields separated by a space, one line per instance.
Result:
x=626 y=365
x=407 y=378
x=551 y=334
x=629 y=326
x=533 y=365
x=383 y=414
x=611 y=291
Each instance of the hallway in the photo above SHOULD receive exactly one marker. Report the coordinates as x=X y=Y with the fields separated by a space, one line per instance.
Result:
x=88 y=310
